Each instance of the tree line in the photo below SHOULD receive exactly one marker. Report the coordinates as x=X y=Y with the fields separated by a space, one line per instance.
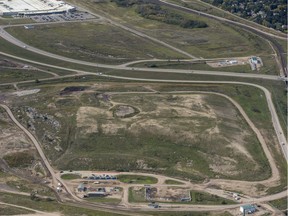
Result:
x=156 y=12
x=272 y=14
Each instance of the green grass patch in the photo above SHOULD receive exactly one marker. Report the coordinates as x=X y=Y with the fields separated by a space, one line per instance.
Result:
x=203 y=198
x=114 y=45
x=104 y=200
x=13 y=21
x=193 y=66
x=16 y=75
x=9 y=210
x=137 y=179
x=280 y=204
x=19 y=159
x=170 y=182
x=70 y=176
x=28 y=187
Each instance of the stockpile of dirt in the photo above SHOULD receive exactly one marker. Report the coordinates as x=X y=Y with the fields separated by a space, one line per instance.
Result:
x=124 y=111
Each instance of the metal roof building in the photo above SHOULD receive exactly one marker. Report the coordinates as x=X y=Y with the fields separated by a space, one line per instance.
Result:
x=247 y=209
x=33 y=7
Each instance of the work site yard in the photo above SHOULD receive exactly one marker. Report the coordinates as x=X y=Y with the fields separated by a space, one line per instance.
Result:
x=97 y=127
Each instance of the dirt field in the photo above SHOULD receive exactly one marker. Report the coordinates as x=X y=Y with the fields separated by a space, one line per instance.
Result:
x=12 y=139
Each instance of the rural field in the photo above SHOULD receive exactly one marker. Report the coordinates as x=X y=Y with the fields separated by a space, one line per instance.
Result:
x=103 y=42
x=216 y=40
x=194 y=136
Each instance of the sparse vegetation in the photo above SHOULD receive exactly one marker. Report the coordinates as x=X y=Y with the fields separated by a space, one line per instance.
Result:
x=106 y=200
x=19 y=159
x=14 y=75
x=136 y=194
x=137 y=179
x=9 y=210
x=28 y=187
x=280 y=204
x=139 y=148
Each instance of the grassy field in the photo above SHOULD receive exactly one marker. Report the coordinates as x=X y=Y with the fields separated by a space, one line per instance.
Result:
x=137 y=179
x=203 y=198
x=269 y=66
x=12 y=21
x=28 y=187
x=170 y=181
x=14 y=75
x=218 y=40
x=280 y=204
x=20 y=159
x=70 y=176
x=21 y=52
x=114 y=45
x=104 y=200
x=123 y=147
x=50 y=206
x=193 y=66
x=9 y=210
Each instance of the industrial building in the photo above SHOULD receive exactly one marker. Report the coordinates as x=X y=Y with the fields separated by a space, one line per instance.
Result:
x=33 y=7
x=247 y=209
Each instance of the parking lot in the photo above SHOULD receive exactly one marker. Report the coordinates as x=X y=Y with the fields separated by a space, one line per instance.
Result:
x=71 y=16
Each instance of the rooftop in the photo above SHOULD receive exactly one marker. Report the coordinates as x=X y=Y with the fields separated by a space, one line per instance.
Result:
x=33 y=6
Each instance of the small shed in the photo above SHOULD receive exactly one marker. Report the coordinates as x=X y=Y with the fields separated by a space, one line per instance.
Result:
x=28 y=26
x=249 y=209
x=81 y=187
x=254 y=60
x=233 y=62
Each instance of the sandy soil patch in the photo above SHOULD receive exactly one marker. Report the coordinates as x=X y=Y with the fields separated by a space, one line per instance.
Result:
x=86 y=121
x=170 y=194
x=112 y=128
x=26 y=92
x=224 y=165
x=123 y=111
x=12 y=139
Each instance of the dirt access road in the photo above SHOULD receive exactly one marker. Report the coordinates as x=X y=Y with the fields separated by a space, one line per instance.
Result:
x=162 y=180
